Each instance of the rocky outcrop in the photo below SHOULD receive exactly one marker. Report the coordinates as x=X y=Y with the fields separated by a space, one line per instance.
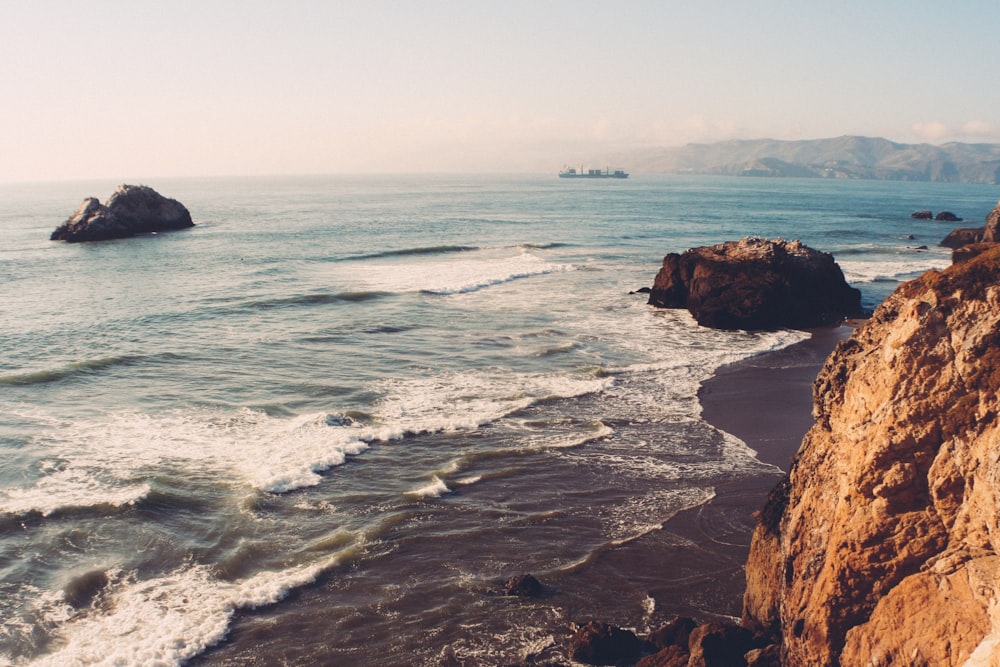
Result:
x=131 y=210
x=962 y=236
x=947 y=216
x=988 y=233
x=756 y=284
x=923 y=214
x=882 y=545
x=679 y=643
x=598 y=643
x=523 y=585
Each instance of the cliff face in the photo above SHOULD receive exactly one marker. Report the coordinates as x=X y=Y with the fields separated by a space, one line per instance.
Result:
x=883 y=544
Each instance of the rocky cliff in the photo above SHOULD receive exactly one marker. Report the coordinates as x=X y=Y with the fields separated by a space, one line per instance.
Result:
x=882 y=546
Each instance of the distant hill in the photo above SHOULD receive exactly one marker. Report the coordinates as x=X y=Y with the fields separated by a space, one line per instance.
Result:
x=840 y=157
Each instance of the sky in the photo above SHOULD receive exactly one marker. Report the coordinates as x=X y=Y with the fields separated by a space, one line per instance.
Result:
x=139 y=89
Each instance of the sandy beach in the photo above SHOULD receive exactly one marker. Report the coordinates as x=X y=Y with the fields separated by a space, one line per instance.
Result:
x=766 y=401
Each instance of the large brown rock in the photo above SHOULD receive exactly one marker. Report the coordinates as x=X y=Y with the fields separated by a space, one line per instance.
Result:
x=988 y=233
x=598 y=643
x=756 y=284
x=883 y=545
x=131 y=210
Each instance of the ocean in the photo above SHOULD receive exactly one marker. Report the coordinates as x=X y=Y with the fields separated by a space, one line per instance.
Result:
x=324 y=425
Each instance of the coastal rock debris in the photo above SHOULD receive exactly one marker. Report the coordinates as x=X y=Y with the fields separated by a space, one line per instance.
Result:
x=130 y=210
x=756 y=284
x=882 y=546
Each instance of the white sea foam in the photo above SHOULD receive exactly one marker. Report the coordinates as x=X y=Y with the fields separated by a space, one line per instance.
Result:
x=858 y=271
x=452 y=274
x=111 y=460
x=468 y=481
x=548 y=439
x=463 y=401
x=166 y=620
x=435 y=489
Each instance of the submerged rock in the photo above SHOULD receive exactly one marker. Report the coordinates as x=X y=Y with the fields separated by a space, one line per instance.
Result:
x=756 y=284
x=523 y=585
x=881 y=546
x=131 y=210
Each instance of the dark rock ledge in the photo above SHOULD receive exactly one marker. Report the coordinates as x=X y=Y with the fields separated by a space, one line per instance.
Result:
x=130 y=210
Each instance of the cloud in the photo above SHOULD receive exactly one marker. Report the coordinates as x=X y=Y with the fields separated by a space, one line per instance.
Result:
x=691 y=129
x=979 y=128
x=971 y=130
x=931 y=130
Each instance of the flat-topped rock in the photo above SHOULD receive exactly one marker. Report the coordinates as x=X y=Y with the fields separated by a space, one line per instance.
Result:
x=756 y=284
x=130 y=210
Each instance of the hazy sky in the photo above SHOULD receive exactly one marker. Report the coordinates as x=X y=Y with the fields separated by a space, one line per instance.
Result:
x=132 y=89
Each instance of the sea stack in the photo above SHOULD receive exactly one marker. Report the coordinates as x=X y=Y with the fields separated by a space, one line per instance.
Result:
x=756 y=284
x=882 y=546
x=130 y=210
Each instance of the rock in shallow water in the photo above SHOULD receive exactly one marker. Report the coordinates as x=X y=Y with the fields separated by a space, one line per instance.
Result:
x=598 y=643
x=523 y=585
x=756 y=284
x=131 y=210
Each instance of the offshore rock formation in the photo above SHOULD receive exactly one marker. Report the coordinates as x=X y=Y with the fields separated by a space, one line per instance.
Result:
x=882 y=545
x=756 y=284
x=131 y=210
x=988 y=233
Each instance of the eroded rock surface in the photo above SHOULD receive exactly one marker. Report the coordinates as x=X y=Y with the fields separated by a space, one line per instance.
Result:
x=988 y=233
x=756 y=284
x=131 y=210
x=883 y=544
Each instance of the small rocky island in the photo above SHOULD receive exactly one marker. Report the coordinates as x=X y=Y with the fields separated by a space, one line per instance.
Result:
x=756 y=284
x=130 y=210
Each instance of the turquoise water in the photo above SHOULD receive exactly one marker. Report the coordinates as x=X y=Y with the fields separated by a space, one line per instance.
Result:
x=319 y=426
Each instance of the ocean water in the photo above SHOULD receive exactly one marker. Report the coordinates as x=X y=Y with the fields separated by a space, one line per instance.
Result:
x=324 y=424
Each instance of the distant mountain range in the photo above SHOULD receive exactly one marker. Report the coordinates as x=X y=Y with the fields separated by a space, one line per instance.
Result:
x=840 y=157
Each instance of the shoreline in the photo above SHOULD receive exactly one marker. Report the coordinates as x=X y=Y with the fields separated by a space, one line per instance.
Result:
x=694 y=565
x=766 y=401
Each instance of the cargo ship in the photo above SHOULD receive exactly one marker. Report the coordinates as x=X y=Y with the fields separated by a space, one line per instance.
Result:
x=571 y=172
